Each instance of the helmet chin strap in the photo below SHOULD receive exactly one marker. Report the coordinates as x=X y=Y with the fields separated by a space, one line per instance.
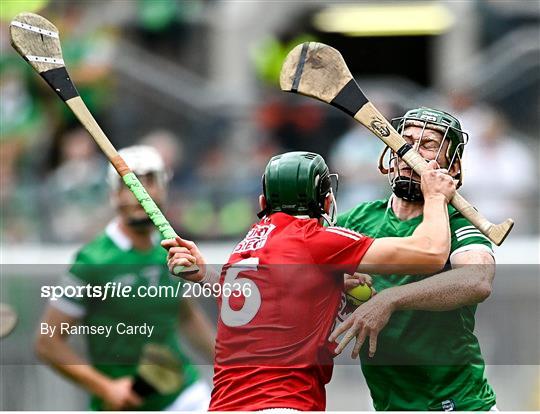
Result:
x=407 y=189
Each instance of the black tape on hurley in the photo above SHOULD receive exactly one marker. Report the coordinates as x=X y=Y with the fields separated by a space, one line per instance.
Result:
x=404 y=150
x=59 y=80
x=350 y=98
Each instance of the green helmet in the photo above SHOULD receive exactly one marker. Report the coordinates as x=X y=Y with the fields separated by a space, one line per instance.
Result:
x=296 y=183
x=437 y=120
x=404 y=185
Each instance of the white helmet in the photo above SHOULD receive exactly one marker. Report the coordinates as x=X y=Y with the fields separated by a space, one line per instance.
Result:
x=141 y=159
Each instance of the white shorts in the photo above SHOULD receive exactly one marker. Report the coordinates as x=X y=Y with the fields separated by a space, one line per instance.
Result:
x=196 y=397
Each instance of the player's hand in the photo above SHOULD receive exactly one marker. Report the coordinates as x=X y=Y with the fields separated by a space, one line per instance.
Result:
x=185 y=253
x=436 y=181
x=366 y=321
x=351 y=281
x=119 y=395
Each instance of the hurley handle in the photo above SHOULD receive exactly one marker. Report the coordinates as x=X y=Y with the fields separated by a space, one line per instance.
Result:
x=155 y=214
x=37 y=40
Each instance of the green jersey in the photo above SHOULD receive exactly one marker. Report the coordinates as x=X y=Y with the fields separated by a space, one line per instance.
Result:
x=115 y=351
x=424 y=360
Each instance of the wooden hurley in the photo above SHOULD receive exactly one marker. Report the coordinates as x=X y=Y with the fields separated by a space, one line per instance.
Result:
x=36 y=40
x=158 y=371
x=319 y=71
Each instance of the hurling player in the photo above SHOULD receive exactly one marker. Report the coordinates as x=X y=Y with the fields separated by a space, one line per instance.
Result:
x=428 y=357
x=272 y=348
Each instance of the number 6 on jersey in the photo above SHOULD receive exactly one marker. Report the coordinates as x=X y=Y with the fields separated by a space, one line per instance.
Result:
x=252 y=302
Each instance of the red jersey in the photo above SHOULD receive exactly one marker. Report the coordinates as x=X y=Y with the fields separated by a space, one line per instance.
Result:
x=272 y=348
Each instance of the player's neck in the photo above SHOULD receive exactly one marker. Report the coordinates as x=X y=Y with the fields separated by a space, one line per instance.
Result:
x=406 y=210
x=141 y=240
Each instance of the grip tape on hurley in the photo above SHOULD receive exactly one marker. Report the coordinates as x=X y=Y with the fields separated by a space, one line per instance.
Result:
x=149 y=206
x=155 y=214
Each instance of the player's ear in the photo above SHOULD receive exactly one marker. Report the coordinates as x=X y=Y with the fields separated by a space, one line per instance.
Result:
x=262 y=202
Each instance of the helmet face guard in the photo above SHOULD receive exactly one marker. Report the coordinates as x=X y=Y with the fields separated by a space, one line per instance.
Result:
x=297 y=183
x=331 y=216
x=403 y=183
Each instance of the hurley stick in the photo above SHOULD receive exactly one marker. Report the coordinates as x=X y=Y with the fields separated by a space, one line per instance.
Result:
x=319 y=71
x=36 y=40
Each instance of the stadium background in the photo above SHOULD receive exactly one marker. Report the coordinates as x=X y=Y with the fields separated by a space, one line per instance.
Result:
x=198 y=79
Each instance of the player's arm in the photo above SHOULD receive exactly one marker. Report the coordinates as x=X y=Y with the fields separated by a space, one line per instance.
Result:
x=468 y=283
x=196 y=327
x=56 y=351
x=427 y=249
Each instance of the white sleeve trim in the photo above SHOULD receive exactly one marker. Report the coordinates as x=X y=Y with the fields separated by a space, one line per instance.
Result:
x=342 y=233
x=69 y=308
x=472 y=247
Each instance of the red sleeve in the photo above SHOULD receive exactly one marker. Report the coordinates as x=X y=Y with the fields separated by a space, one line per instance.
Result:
x=337 y=246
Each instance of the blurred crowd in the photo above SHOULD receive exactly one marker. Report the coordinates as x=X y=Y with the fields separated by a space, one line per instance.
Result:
x=52 y=175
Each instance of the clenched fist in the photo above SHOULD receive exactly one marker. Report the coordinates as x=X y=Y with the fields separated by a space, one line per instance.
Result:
x=436 y=181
